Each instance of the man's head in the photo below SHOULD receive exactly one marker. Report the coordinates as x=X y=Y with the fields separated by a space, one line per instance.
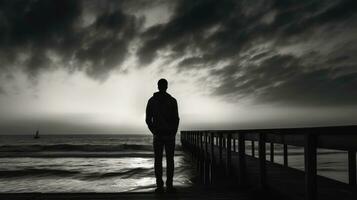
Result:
x=162 y=85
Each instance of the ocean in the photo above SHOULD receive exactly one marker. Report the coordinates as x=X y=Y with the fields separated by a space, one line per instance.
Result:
x=83 y=163
x=113 y=163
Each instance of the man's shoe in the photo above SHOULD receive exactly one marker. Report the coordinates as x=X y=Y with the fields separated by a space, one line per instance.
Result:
x=171 y=189
x=159 y=190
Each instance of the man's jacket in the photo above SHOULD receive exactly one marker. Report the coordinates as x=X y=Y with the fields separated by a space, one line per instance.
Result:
x=162 y=115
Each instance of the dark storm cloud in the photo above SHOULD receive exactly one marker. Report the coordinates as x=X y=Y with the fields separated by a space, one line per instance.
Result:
x=107 y=47
x=203 y=33
x=187 y=26
x=36 y=63
x=285 y=79
x=42 y=30
x=239 y=23
x=271 y=50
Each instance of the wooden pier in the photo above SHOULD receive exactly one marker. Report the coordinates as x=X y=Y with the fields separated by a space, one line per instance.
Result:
x=221 y=157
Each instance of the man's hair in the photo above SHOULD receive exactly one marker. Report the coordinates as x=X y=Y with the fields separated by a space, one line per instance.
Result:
x=162 y=84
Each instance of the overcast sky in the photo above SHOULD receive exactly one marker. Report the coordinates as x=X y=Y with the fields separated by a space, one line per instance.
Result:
x=90 y=66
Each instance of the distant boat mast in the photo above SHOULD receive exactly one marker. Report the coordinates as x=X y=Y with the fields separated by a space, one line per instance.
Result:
x=37 y=134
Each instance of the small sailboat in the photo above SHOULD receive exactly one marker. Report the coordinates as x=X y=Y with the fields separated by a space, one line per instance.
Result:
x=37 y=134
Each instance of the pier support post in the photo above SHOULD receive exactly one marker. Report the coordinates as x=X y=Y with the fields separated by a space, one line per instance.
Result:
x=181 y=138
x=206 y=160
x=224 y=142
x=201 y=156
x=262 y=159
x=285 y=147
x=197 y=151
x=220 y=146
x=234 y=144
x=271 y=152
x=229 y=154
x=352 y=167
x=241 y=158
x=212 y=169
x=310 y=167
x=206 y=143
x=192 y=145
x=194 y=138
x=253 y=148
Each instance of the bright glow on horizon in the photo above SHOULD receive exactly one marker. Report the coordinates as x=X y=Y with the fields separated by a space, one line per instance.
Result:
x=77 y=103
x=116 y=103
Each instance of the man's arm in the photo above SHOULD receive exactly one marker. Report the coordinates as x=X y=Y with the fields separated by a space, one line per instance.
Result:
x=176 y=116
x=149 y=117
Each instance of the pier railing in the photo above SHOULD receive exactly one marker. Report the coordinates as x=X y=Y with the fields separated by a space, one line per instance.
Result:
x=224 y=151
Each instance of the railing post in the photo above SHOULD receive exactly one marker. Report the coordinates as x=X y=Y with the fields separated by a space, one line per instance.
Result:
x=191 y=144
x=212 y=157
x=201 y=140
x=271 y=152
x=194 y=141
x=220 y=146
x=181 y=136
x=224 y=142
x=207 y=159
x=241 y=158
x=205 y=141
x=310 y=167
x=234 y=144
x=285 y=147
x=212 y=146
x=262 y=159
x=352 y=167
x=186 y=137
x=189 y=137
x=197 y=150
x=253 y=148
x=229 y=153
x=192 y=138
x=202 y=156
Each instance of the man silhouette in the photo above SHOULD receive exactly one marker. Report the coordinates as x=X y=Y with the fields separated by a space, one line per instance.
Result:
x=163 y=120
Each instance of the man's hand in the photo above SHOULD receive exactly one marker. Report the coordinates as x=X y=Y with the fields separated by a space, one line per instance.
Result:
x=152 y=130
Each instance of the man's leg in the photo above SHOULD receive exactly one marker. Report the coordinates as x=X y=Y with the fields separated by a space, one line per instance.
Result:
x=170 y=166
x=158 y=150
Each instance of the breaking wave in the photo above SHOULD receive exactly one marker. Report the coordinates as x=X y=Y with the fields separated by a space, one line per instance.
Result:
x=75 y=147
